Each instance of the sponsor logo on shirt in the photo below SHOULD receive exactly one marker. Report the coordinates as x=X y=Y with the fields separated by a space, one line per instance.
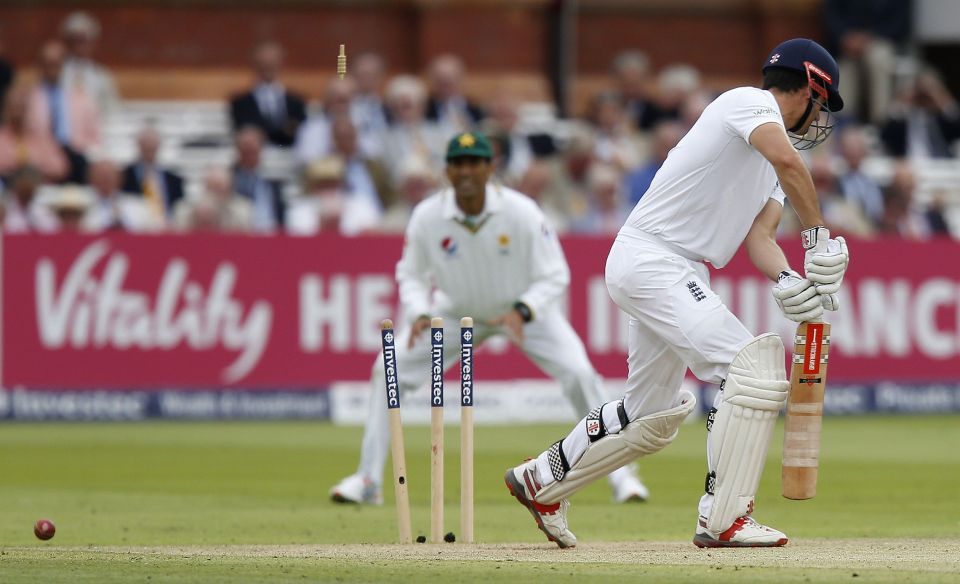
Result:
x=504 y=242
x=764 y=111
x=448 y=245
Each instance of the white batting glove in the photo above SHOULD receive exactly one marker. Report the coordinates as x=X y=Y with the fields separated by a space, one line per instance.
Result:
x=826 y=261
x=797 y=297
x=830 y=301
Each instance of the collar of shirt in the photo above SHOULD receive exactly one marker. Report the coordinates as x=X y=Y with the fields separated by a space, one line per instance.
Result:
x=274 y=88
x=455 y=103
x=493 y=201
x=270 y=96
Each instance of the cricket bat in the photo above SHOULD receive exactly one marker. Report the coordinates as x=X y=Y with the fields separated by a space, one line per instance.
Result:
x=801 y=437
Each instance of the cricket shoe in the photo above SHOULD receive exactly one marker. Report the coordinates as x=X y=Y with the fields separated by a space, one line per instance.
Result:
x=629 y=489
x=357 y=489
x=551 y=519
x=745 y=532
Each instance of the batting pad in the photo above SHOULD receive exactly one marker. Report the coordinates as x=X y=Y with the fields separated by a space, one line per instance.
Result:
x=641 y=437
x=755 y=390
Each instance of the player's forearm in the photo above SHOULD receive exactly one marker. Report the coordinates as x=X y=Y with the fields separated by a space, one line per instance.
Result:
x=767 y=256
x=415 y=300
x=414 y=291
x=546 y=291
x=540 y=296
x=797 y=184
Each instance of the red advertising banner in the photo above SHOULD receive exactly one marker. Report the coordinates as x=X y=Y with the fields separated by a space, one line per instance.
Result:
x=201 y=311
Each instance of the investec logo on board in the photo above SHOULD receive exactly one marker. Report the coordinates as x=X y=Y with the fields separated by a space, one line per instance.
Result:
x=436 y=369
x=390 y=369
x=466 y=368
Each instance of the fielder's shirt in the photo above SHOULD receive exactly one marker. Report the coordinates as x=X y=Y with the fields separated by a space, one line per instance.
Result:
x=704 y=198
x=480 y=268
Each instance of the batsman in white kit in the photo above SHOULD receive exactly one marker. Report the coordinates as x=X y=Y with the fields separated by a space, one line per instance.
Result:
x=482 y=250
x=722 y=186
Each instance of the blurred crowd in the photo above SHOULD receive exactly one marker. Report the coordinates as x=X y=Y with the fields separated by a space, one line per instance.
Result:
x=372 y=148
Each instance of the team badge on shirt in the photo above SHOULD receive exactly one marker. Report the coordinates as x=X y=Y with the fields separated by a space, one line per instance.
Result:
x=695 y=291
x=448 y=245
x=504 y=242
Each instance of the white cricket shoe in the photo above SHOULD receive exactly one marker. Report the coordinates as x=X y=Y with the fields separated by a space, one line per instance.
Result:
x=357 y=489
x=745 y=532
x=551 y=519
x=629 y=489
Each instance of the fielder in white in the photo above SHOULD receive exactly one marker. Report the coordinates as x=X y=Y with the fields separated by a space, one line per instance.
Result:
x=721 y=186
x=481 y=250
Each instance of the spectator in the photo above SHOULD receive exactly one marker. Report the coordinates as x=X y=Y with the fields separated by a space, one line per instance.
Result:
x=7 y=73
x=326 y=207
x=666 y=135
x=925 y=120
x=692 y=107
x=416 y=182
x=936 y=215
x=363 y=177
x=500 y=148
x=676 y=84
x=567 y=192
x=268 y=106
x=266 y=195
x=66 y=114
x=856 y=186
x=632 y=72
x=161 y=188
x=448 y=107
x=520 y=148
x=368 y=111
x=22 y=145
x=901 y=216
x=410 y=133
x=112 y=208
x=539 y=183
x=314 y=140
x=607 y=207
x=615 y=141
x=22 y=212
x=841 y=216
x=866 y=35
x=70 y=204
x=80 y=32
x=216 y=208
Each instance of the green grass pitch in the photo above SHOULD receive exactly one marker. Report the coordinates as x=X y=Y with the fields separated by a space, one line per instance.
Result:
x=247 y=501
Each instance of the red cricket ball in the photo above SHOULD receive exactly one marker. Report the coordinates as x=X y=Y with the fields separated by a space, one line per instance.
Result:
x=44 y=529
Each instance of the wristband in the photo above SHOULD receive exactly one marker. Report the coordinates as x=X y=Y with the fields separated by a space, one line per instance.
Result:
x=808 y=237
x=525 y=313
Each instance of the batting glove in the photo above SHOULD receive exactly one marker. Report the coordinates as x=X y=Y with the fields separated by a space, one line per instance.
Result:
x=830 y=301
x=826 y=260
x=797 y=297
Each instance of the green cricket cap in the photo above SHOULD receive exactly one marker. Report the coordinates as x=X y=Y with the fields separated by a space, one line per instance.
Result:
x=469 y=144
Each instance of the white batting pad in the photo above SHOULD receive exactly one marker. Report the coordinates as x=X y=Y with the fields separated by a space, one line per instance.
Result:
x=755 y=390
x=638 y=438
